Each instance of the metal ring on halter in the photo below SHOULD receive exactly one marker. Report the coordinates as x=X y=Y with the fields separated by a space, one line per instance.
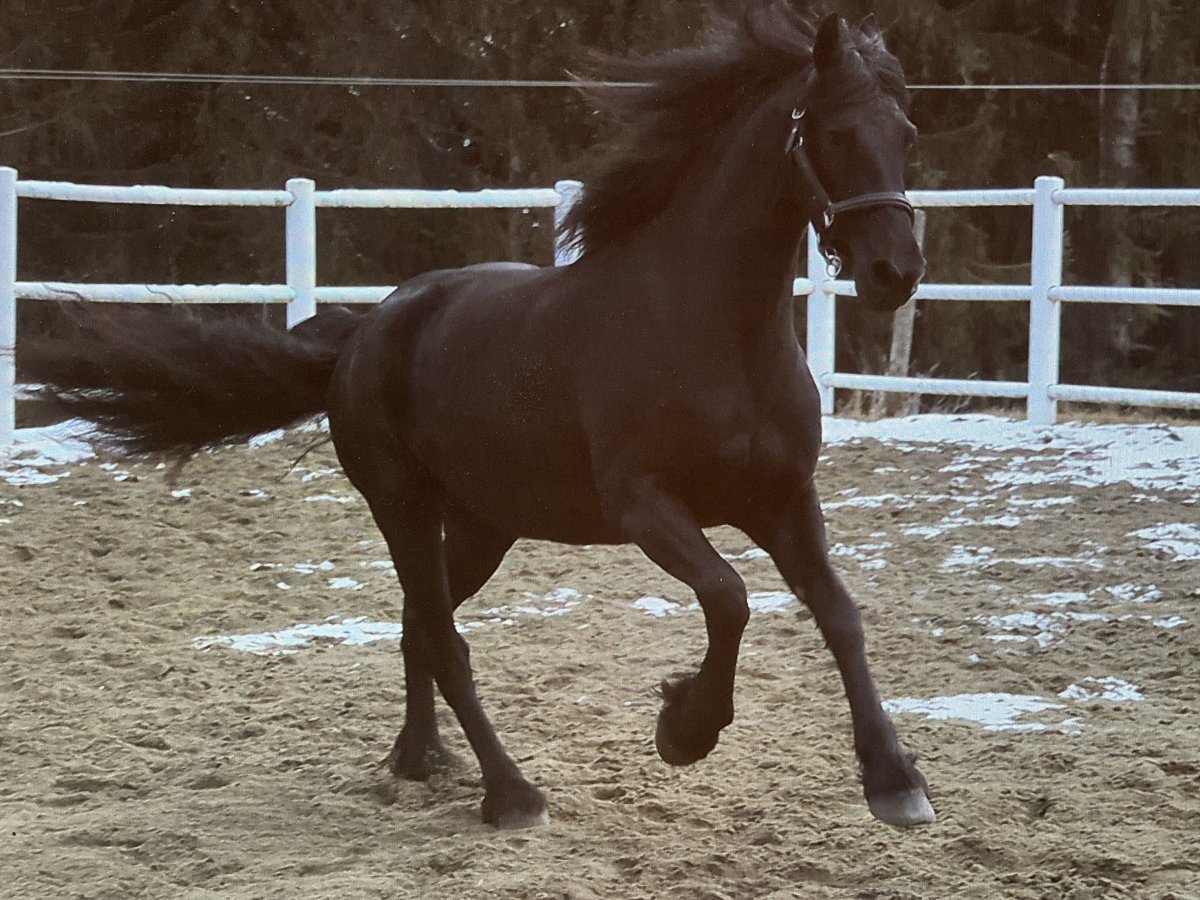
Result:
x=833 y=263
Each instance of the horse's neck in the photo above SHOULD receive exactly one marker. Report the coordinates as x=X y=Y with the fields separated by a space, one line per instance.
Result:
x=738 y=228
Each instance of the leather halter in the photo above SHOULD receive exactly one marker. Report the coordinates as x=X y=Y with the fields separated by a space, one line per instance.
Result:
x=827 y=210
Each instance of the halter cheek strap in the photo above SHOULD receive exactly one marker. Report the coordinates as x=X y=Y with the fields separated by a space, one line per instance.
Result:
x=827 y=210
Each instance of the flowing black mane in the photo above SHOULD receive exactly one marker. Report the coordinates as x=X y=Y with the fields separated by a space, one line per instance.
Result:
x=680 y=101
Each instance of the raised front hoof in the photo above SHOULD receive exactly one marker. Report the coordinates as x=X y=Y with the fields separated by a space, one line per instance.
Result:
x=418 y=760
x=515 y=804
x=903 y=809
x=676 y=738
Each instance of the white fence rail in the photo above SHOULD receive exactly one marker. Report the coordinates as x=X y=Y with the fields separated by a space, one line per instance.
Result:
x=300 y=293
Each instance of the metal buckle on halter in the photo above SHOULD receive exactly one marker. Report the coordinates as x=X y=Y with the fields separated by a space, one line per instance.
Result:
x=795 y=138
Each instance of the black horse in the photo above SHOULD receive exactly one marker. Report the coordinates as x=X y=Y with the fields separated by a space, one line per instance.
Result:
x=653 y=388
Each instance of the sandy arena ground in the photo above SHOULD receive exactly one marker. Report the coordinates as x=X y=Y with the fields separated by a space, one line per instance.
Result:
x=168 y=730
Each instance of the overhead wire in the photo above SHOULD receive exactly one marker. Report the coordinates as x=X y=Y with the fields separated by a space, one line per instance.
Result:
x=93 y=75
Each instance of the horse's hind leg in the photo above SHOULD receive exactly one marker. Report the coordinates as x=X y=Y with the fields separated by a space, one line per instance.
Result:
x=795 y=538
x=411 y=521
x=696 y=707
x=473 y=552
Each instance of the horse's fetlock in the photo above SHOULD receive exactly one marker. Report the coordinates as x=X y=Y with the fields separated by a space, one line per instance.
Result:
x=723 y=715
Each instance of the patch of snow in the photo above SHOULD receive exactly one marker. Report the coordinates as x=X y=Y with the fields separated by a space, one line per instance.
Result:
x=1062 y=598
x=994 y=711
x=359 y=631
x=308 y=568
x=758 y=601
x=34 y=450
x=262 y=440
x=770 y=601
x=960 y=556
x=876 y=501
x=1179 y=541
x=1108 y=688
x=563 y=600
x=868 y=556
x=1135 y=593
x=948 y=523
x=657 y=606
x=1006 y=521
x=314 y=474
x=1149 y=457
x=354 y=632
x=561 y=595
x=984 y=557
x=752 y=553
x=1041 y=502
x=1056 y=562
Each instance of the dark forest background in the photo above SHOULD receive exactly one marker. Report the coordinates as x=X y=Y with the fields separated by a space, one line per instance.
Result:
x=245 y=136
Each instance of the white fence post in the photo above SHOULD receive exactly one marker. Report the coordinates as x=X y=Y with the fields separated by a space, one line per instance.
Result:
x=822 y=323
x=8 y=308
x=302 y=250
x=1045 y=315
x=569 y=193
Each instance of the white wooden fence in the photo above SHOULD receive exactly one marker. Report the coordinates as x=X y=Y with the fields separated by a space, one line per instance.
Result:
x=300 y=200
x=1045 y=294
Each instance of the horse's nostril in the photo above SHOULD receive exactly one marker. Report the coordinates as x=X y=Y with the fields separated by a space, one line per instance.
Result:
x=886 y=274
x=889 y=277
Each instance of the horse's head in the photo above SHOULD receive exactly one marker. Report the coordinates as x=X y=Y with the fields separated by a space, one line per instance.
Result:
x=849 y=145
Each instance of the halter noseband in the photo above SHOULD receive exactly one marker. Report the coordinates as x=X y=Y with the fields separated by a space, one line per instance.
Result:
x=827 y=210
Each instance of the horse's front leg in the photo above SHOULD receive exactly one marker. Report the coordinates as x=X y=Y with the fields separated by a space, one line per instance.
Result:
x=696 y=707
x=795 y=537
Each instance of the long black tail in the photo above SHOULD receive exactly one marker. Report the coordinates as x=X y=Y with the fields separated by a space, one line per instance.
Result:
x=158 y=382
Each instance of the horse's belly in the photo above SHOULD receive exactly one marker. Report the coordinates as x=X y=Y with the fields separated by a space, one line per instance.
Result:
x=534 y=488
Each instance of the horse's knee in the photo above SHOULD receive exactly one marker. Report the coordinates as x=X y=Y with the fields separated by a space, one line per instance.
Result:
x=723 y=599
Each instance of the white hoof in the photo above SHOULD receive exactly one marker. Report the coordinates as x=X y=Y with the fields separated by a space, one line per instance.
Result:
x=514 y=821
x=903 y=809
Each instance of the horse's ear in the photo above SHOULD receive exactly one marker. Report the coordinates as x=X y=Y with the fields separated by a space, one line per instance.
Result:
x=870 y=27
x=831 y=38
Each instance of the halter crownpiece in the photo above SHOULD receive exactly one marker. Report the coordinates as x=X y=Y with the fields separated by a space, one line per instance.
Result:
x=827 y=210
